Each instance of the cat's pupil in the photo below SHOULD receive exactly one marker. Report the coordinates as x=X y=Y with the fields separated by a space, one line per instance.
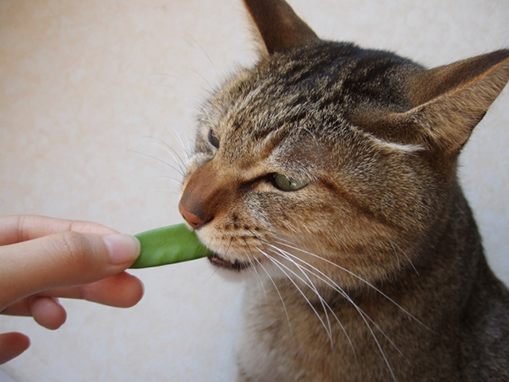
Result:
x=213 y=139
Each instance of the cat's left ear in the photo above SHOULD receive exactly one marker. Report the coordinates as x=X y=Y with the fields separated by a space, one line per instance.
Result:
x=449 y=101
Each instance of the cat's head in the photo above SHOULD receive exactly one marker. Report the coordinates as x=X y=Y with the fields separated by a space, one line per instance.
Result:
x=330 y=157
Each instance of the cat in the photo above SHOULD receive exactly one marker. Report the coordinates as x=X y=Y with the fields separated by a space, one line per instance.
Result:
x=325 y=178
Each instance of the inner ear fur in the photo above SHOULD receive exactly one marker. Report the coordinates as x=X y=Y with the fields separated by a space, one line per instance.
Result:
x=448 y=102
x=278 y=26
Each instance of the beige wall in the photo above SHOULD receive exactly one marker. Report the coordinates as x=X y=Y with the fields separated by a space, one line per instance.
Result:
x=92 y=91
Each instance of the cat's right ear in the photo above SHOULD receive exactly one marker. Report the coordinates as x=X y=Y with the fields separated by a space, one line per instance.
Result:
x=449 y=101
x=277 y=25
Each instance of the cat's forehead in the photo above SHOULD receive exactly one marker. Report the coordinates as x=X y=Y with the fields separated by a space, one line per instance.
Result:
x=310 y=92
x=321 y=76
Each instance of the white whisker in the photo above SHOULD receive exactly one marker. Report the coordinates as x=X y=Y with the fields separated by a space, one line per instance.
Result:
x=186 y=149
x=404 y=254
x=315 y=290
x=160 y=160
x=254 y=267
x=279 y=294
x=331 y=284
x=364 y=316
x=280 y=266
x=359 y=278
x=170 y=150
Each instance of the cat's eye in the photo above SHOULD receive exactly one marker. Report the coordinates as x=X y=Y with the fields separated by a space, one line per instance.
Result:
x=213 y=139
x=285 y=183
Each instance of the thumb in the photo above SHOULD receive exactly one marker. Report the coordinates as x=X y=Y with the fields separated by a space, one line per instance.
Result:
x=62 y=260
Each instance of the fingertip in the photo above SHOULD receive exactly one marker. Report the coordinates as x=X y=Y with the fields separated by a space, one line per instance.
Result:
x=12 y=345
x=121 y=290
x=48 y=312
x=122 y=248
x=128 y=289
x=136 y=293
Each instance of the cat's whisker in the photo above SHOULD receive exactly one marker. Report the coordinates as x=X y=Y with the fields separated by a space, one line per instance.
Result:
x=170 y=190
x=170 y=150
x=359 y=278
x=322 y=300
x=159 y=160
x=273 y=283
x=279 y=294
x=229 y=246
x=207 y=56
x=364 y=316
x=211 y=88
x=330 y=282
x=279 y=265
x=186 y=148
x=324 y=304
x=254 y=267
x=312 y=286
x=214 y=271
x=179 y=181
x=394 y=245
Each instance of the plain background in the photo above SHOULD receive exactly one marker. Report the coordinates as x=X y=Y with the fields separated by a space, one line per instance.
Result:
x=95 y=97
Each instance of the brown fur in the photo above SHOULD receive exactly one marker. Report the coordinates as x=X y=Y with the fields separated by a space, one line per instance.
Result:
x=373 y=270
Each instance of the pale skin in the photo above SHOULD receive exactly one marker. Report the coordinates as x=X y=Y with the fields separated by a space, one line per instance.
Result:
x=42 y=259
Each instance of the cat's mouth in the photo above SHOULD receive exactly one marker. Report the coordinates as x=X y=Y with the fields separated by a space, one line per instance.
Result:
x=235 y=265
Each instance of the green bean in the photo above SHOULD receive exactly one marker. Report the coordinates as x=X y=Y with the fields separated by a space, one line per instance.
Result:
x=168 y=245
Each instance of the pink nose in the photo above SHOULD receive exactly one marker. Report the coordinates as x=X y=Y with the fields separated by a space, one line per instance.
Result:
x=193 y=220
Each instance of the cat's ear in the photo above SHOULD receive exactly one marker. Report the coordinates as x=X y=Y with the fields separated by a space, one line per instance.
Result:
x=278 y=26
x=449 y=101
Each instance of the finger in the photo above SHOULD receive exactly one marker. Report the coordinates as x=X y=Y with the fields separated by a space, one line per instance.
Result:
x=47 y=312
x=16 y=229
x=12 y=345
x=62 y=260
x=121 y=290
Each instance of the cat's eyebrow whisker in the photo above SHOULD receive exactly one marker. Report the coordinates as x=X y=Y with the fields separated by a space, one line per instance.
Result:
x=361 y=279
x=186 y=149
x=206 y=55
x=170 y=150
x=160 y=160
x=211 y=88
x=174 y=190
x=179 y=181
x=280 y=266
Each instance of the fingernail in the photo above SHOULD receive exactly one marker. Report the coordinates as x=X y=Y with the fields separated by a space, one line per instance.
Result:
x=122 y=248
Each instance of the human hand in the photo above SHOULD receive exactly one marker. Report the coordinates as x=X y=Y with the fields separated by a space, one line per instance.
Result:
x=44 y=258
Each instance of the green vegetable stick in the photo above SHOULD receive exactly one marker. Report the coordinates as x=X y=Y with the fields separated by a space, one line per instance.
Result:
x=168 y=245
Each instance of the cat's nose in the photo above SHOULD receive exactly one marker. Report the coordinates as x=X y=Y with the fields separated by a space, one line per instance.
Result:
x=193 y=220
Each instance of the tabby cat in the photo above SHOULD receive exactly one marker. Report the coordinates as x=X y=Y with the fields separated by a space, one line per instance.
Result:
x=325 y=178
